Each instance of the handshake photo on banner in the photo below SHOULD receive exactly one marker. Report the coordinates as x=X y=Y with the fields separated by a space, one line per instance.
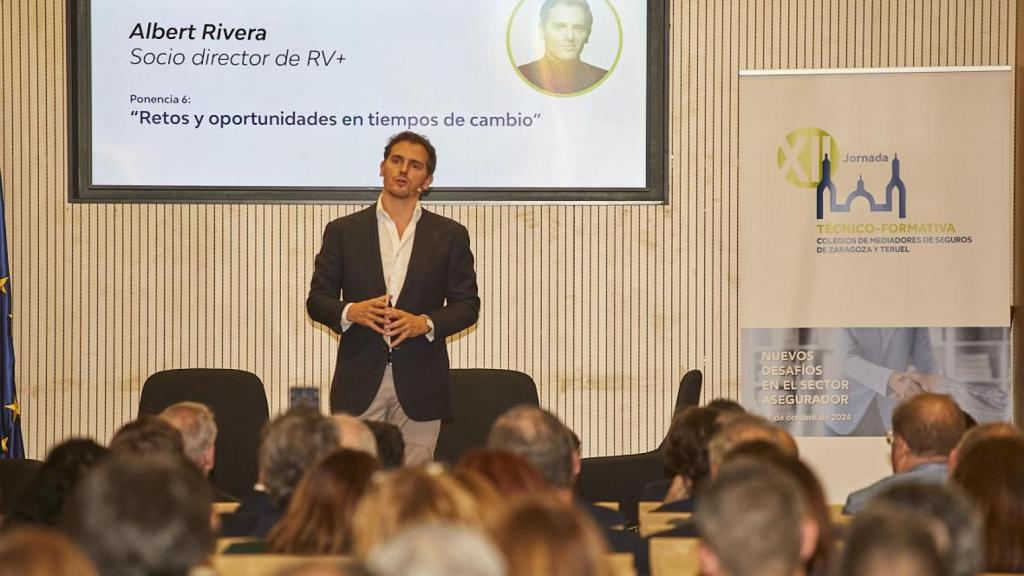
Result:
x=903 y=385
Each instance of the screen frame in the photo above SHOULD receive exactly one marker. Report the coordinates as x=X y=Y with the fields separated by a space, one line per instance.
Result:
x=82 y=190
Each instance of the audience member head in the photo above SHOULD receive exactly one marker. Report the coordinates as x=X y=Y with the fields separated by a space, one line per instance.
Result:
x=737 y=429
x=510 y=474
x=815 y=504
x=353 y=433
x=198 y=431
x=992 y=474
x=405 y=497
x=542 y=536
x=980 y=432
x=726 y=405
x=925 y=428
x=760 y=449
x=147 y=435
x=489 y=503
x=41 y=499
x=143 y=515
x=290 y=444
x=686 y=446
x=437 y=550
x=951 y=516
x=538 y=437
x=753 y=521
x=891 y=542
x=38 y=551
x=319 y=517
x=390 y=444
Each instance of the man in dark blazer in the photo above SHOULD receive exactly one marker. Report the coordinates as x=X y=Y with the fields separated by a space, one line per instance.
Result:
x=395 y=281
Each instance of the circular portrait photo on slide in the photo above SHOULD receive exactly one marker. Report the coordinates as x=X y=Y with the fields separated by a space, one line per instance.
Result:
x=564 y=47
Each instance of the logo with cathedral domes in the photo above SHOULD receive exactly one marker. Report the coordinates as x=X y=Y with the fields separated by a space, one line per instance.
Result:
x=809 y=158
x=896 y=204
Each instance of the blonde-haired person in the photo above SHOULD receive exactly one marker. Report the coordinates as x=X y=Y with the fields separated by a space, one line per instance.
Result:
x=409 y=496
x=490 y=504
x=543 y=536
x=36 y=551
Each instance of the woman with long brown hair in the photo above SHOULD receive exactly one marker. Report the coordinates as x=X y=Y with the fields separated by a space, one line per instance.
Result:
x=992 y=474
x=319 y=517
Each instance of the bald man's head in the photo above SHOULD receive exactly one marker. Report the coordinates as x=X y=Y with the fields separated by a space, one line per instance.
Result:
x=355 y=434
x=929 y=424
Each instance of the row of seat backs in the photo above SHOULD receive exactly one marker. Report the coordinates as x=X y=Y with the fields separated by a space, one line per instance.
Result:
x=479 y=397
x=239 y=401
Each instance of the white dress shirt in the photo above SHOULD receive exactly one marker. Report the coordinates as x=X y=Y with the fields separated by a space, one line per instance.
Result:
x=395 y=253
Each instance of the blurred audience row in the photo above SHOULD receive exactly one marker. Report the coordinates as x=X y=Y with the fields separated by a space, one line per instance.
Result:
x=334 y=486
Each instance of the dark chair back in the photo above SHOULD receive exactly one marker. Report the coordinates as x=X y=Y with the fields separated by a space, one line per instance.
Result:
x=13 y=473
x=239 y=403
x=619 y=479
x=622 y=478
x=479 y=397
x=689 y=390
x=687 y=395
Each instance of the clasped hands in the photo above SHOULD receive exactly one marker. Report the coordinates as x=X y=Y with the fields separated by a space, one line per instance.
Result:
x=910 y=383
x=392 y=322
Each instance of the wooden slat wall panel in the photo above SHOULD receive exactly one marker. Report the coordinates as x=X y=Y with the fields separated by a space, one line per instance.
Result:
x=606 y=307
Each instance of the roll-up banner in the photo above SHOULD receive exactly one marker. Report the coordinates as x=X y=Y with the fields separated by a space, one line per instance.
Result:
x=875 y=243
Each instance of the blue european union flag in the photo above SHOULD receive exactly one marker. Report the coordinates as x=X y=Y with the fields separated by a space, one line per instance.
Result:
x=12 y=445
